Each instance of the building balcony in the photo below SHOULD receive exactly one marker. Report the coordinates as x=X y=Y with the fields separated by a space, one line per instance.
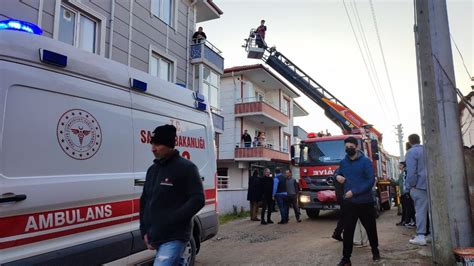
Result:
x=208 y=54
x=265 y=152
x=262 y=112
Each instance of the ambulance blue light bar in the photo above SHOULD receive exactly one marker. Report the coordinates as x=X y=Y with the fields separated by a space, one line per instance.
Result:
x=53 y=58
x=200 y=106
x=199 y=97
x=19 y=25
x=138 y=85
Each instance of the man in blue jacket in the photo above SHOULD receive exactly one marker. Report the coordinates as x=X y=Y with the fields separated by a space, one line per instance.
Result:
x=357 y=175
x=280 y=195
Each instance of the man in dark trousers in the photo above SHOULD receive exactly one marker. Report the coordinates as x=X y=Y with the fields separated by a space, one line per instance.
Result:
x=247 y=139
x=340 y=200
x=280 y=194
x=292 y=188
x=267 y=200
x=357 y=175
x=260 y=35
x=172 y=195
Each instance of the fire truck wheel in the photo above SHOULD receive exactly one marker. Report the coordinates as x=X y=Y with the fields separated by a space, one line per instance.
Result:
x=386 y=205
x=189 y=253
x=313 y=214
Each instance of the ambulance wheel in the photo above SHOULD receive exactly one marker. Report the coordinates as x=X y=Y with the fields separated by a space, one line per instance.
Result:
x=313 y=214
x=189 y=254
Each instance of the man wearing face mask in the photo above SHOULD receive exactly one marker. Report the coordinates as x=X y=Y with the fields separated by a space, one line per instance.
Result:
x=357 y=175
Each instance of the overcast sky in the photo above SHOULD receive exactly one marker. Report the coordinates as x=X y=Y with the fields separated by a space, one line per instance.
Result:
x=317 y=36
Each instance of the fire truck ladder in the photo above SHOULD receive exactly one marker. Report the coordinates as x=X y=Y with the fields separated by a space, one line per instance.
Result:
x=307 y=85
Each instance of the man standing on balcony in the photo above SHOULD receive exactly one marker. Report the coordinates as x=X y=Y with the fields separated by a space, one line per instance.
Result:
x=247 y=139
x=199 y=36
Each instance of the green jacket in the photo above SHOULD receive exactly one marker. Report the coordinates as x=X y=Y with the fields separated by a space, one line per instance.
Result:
x=401 y=178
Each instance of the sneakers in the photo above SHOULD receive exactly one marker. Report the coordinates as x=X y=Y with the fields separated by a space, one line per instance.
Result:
x=337 y=236
x=400 y=224
x=428 y=238
x=418 y=240
x=410 y=225
x=269 y=222
x=298 y=220
x=344 y=262
x=263 y=222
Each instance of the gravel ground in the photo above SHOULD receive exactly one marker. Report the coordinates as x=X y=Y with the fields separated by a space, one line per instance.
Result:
x=243 y=242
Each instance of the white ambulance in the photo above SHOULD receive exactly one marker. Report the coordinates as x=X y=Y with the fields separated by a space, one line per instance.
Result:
x=74 y=149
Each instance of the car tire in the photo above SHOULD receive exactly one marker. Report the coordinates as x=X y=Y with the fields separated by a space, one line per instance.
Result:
x=189 y=254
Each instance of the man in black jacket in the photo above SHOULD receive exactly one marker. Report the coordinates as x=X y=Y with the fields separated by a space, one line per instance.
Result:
x=267 y=197
x=172 y=195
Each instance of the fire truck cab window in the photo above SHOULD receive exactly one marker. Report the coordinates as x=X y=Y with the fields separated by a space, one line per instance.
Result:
x=322 y=152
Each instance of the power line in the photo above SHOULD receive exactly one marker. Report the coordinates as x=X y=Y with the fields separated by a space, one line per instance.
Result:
x=383 y=57
x=365 y=62
x=368 y=52
x=462 y=58
x=469 y=106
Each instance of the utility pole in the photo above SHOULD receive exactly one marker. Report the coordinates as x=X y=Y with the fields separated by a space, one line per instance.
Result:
x=447 y=183
x=399 y=134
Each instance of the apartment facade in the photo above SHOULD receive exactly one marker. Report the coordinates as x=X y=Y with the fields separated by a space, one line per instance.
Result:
x=253 y=99
x=150 y=35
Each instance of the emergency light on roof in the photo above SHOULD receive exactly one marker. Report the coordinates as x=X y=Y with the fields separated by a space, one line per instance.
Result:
x=199 y=97
x=18 y=25
x=311 y=135
x=138 y=84
x=53 y=58
x=200 y=106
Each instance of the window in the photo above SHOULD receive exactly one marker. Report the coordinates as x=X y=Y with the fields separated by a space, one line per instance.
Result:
x=222 y=178
x=322 y=152
x=285 y=107
x=163 y=9
x=210 y=87
x=286 y=143
x=161 y=68
x=78 y=29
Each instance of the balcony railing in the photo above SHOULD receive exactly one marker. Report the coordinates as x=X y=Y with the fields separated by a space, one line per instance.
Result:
x=266 y=151
x=205 y=52
x=261 y=109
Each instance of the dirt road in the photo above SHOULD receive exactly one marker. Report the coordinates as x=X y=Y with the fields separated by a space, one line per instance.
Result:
x=243 y=242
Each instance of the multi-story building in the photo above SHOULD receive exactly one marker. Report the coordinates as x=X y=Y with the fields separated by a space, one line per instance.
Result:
x=254 y=99
x=154 y=36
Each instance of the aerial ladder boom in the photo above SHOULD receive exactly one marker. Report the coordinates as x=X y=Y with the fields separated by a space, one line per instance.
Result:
x=334 y=109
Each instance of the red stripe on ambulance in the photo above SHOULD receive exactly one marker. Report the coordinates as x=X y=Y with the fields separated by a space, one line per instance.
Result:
x=34 y=227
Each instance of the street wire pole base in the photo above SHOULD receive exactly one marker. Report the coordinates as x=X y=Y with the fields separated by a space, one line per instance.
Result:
x=448 y=189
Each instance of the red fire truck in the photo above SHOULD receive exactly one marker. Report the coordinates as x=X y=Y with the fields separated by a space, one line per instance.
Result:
x=316 y=158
